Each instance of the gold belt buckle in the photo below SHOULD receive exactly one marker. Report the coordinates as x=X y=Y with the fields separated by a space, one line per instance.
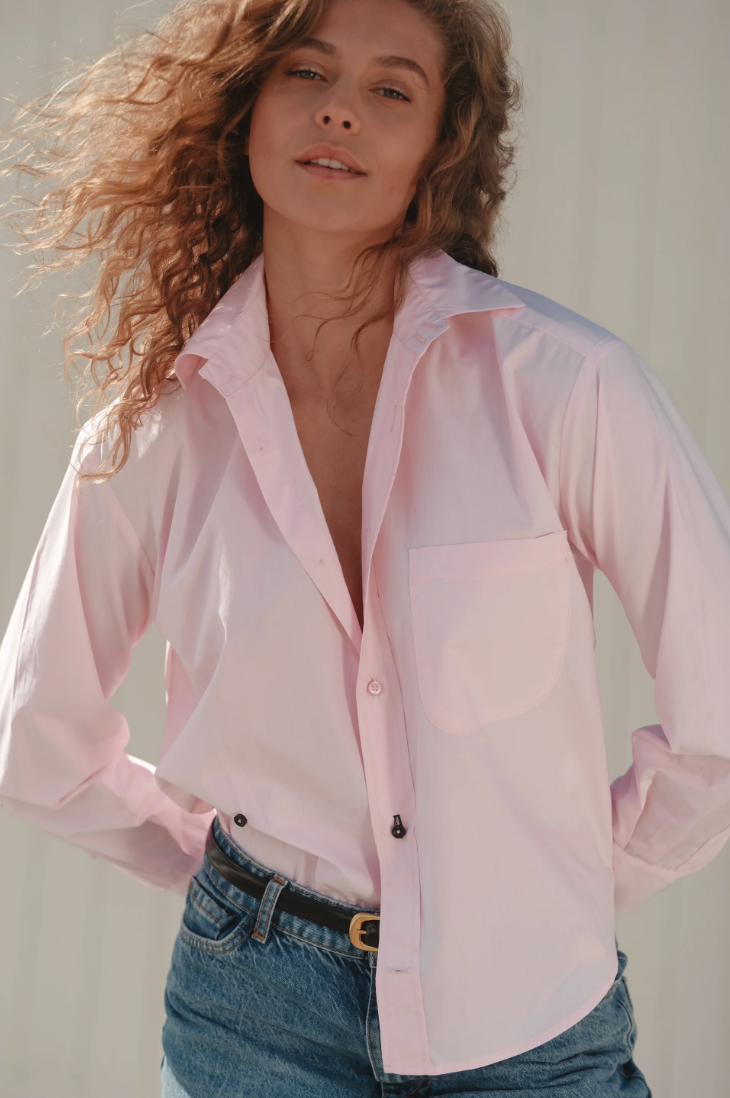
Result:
x=356 y=930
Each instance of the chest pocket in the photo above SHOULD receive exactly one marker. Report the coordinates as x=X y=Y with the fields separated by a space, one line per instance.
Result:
x=490 y=627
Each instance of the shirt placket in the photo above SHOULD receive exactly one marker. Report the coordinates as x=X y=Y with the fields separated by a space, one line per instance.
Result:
x=383 y=737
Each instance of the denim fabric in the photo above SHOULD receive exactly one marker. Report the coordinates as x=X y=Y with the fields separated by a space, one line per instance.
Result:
x=262 y=1004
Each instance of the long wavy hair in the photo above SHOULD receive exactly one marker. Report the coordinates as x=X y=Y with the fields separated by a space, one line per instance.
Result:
x=144 y=153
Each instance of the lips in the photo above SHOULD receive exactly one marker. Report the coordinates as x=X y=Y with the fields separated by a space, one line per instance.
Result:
x=333 y=157
x=337 y=165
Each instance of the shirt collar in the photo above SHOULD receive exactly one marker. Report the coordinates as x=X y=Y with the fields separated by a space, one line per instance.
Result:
x=234 y=337
x=239 y=317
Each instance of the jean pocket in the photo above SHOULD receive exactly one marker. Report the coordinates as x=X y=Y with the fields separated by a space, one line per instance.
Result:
x=212 y=920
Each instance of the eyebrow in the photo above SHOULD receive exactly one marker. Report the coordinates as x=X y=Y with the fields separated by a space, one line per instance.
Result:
x=388 y=62
x=403 y=63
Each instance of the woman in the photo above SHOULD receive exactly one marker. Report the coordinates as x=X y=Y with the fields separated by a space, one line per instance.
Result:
x=361 y=484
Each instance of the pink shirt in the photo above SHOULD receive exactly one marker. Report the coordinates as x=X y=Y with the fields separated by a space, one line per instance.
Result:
x=515 y=447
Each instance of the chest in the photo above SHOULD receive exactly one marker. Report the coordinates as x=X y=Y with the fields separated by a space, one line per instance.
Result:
x=255 y=587
x=334 y=441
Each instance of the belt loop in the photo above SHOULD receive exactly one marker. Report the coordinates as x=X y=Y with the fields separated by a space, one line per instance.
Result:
x=268 y=903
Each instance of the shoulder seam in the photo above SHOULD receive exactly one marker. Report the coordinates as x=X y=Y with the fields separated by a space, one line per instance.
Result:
x=519 y=318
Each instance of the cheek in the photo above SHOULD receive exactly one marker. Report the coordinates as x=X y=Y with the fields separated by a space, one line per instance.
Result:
x=259 y=149
x=268 y=141
x=409 y=146
x=404 y=161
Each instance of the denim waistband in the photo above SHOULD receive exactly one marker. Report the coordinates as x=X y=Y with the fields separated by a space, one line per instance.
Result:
x=265 y=909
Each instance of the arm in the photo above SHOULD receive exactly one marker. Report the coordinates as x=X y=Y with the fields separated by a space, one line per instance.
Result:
x=84 y=604
x=643 y=505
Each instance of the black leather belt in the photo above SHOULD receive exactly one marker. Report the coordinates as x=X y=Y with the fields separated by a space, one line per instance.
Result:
x=363 y=928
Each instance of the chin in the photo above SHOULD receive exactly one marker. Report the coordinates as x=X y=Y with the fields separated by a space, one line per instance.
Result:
x=340 y=225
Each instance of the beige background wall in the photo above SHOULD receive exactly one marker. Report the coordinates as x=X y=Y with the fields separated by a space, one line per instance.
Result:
x=621 y=213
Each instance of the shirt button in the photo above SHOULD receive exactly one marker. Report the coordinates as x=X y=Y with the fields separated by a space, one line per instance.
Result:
x=240 y=819
x=374 y=688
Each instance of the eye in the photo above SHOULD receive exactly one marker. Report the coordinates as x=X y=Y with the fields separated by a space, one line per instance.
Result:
x=305 y=73
x=393 y=93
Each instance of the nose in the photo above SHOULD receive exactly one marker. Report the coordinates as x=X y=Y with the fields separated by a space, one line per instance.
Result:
x=337 y=115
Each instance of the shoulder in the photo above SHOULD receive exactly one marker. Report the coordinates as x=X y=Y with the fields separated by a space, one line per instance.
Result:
x=567 y=364
x=556 y=321
x=179 y=443
x=180 y=424
x=522 y=315
x=553 y=358
x=536 y=313
x=540 y=338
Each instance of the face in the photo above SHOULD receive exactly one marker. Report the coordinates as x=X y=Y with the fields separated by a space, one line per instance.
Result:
x=343 y=123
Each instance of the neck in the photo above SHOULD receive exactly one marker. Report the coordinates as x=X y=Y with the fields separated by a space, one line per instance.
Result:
x=306 y=274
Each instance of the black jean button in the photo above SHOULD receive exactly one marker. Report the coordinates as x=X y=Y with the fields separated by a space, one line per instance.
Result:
x=240 y=820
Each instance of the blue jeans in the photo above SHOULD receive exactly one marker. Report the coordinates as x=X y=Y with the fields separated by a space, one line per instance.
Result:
x=295 y=1015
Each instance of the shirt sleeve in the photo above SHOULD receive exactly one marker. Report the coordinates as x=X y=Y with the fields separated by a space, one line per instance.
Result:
x=643 y=505
x=84 y=604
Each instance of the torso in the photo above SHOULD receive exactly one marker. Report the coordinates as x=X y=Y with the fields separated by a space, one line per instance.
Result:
x=336 y=461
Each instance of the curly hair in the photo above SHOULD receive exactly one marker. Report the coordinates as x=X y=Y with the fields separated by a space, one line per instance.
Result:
x=145 y=153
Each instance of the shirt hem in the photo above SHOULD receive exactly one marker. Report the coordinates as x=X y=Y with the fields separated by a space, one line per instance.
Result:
x=420 y=1068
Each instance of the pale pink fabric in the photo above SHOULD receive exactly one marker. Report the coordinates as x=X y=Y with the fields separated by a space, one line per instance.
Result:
x=515 y=447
